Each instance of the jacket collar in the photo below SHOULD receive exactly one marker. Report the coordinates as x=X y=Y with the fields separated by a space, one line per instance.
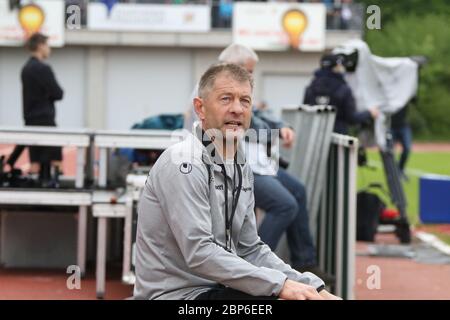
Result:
x=210 y=155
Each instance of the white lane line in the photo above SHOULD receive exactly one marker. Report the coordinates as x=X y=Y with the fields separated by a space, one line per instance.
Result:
x=433 y=241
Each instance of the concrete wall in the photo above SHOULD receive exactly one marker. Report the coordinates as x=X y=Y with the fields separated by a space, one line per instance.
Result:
x=142 y=81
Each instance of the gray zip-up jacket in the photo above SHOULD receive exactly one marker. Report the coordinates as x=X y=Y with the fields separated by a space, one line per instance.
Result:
x=180 y=244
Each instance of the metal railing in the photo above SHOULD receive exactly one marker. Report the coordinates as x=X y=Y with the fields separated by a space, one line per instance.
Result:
x=336 y=221
x=326 y=163
x=308 y=156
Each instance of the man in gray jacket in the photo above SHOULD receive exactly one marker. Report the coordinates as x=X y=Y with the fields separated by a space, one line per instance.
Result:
x=197 y=236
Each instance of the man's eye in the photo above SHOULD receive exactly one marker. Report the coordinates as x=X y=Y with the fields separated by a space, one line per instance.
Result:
x=225 y=99
x=245 y=102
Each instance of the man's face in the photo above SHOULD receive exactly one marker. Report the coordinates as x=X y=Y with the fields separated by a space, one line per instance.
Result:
x=45 y=50
x=227 y=107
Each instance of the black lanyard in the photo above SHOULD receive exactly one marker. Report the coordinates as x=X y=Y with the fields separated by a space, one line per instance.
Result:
x=235 y=194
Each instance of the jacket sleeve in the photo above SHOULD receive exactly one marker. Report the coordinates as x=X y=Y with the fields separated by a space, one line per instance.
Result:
x=260 y=121
x=308 y=97
x=48 y=80
x=272 y=123
x=351 y=115
x=184 y=197
x=252 y=249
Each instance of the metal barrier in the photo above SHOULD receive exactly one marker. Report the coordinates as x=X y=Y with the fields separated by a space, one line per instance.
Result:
x=104 y=202
x=326 y=163
x=78 y=196
x=336 y=221
x=308 y=156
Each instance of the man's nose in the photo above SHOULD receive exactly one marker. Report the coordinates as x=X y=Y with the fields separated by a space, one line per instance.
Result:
x=237 y=107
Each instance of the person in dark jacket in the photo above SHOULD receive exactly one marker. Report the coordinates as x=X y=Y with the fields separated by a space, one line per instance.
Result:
x=402 y=133
x=40 y=90
x=330 y=88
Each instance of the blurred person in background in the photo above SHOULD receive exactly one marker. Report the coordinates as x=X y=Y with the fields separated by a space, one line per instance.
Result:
x=40 y=91
x=402 y=133
x=330 y=88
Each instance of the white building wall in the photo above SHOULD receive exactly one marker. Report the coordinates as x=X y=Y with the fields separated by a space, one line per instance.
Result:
x=11 y=61
x=145 y=81
x=69 y=67
x=282 y=77
x=112 y=80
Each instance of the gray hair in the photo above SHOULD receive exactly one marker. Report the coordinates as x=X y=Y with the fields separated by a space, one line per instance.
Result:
x=238 y=54
x=209 y=77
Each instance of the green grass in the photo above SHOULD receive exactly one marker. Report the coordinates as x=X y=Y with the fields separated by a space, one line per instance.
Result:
x=427 y=162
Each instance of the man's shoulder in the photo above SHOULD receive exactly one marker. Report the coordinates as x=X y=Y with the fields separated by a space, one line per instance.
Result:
x=29 y=64
x=183 y=156
x=34 y=65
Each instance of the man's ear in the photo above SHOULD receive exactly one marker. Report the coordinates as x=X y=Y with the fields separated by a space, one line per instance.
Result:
x=199 y=108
